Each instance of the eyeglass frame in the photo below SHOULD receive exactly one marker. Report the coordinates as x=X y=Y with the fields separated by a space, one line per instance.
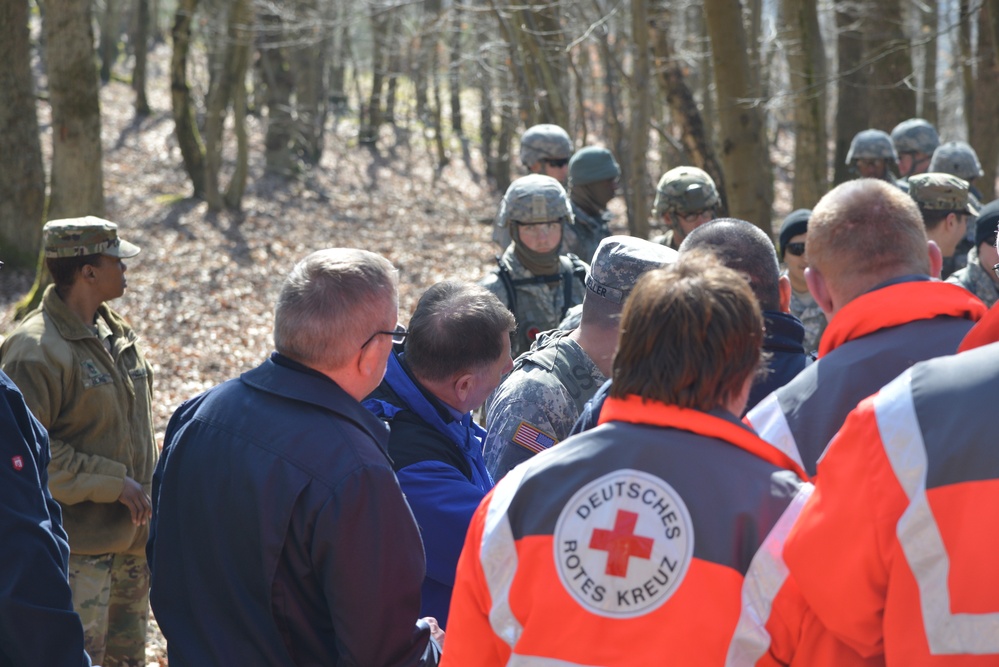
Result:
x=697 y=215
x=398 y=335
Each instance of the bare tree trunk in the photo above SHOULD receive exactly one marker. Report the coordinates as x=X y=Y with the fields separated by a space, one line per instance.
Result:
x=310 y=91
x=228 y=87
x=851 y=89
x=508 y=123
x=638 y=204
x=341 y=47
x=806 y=61
x=22 y=175
x=744 y=157
x=110 y=21
x=280 y=85
x=422 y=70
x=983 y=135
x=77 y=176
x=454 y=67
x=693 y=130
x=888 y=54
x=537 y=32
x=141 y=45
x=191 y=148
x=380 y=17
x=967 y=73
x=929 y=16
x=394 y=64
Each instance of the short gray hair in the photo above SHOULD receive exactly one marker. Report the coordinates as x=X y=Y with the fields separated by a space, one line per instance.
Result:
x=330 y=303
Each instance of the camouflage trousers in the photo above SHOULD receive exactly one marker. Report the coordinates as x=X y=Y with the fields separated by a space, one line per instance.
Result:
x=111 y=595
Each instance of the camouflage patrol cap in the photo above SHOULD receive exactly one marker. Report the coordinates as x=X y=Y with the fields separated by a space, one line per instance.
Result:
x=915 y=136
x=940 y=192
x=618 y=263
x=683 y=190
x=958 y=158
x=76 y=237
x=871 y=145
x=534 y=198
x=545 y=141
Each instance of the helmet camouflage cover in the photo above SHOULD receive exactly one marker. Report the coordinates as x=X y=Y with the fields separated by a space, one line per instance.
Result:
x=872 y=145
x=684 y=190
x=915 y=136
x=535 y=198
x=957 y=158
x=544 y=141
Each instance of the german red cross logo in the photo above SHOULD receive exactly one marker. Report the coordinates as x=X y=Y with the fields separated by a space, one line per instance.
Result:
x=17 y=462
x=621 y=543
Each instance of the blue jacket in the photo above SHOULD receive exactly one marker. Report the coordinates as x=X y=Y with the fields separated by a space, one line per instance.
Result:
x=438 y=459
x=279 y=533
x=783 y=340
x=37 y=623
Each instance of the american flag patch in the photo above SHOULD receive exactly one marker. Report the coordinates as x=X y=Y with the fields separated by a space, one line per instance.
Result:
x=531 y=438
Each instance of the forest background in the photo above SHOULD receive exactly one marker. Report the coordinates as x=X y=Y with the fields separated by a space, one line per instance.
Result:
x=229 y=138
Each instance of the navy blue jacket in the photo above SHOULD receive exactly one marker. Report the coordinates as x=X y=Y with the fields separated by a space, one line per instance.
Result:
x=279 y=533
x=37 y=623
x=783 y=340
x=438 y=460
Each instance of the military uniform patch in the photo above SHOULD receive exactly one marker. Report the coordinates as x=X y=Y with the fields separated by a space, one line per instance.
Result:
x=623 y=544
x=92 y=375
x=531 y=438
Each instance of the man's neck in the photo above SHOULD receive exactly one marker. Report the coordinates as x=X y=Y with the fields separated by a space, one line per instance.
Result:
x=598 y=344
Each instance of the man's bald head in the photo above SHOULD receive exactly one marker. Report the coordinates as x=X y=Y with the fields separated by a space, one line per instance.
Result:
x=863 y=233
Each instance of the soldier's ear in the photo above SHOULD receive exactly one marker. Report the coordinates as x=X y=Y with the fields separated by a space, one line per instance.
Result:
x=784 y=287
x=936 y=258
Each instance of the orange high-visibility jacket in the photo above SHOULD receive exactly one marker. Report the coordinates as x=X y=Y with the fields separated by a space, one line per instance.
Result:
x=896 y=550
x=653 y=539
x=866 y=345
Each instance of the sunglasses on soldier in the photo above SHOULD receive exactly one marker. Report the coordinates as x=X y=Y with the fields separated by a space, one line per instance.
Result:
x=561 y=162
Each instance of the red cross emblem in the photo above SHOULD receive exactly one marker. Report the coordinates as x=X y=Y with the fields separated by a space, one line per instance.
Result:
x=18 y=462
x=621 y=543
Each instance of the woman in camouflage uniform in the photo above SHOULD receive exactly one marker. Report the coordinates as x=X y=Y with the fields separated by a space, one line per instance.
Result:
x=532 y=279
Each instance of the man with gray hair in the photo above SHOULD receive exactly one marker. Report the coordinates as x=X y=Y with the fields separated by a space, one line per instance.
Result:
x=279 y=533
x=456 y=353
x=538 y=403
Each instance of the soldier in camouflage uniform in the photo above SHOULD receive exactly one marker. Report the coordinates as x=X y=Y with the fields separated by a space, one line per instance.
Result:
x=537 y=404
x=686 y=198
x=979 y=276
x=593 y=175
x=532 y=279
x=961 y=160
x=793 y=253
x=872 y=155
x=915 y=140
x=945 y=205
x=544 y=149
x=81 y=371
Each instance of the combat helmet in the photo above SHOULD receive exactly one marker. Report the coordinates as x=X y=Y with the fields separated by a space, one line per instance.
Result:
x=872 y=145
x=915 y=136
x=535 y=198
x=683 y=190
x=957 y=158
x=545 y=141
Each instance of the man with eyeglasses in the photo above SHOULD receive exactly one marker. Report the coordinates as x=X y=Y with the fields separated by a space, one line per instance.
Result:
x=456 y=353
x=945 y=205
x=686 y=198
x=532 y=279
x=870 y=268
x=980 y=277
x=279 y=534
x=544 y=149
x=793 y=254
